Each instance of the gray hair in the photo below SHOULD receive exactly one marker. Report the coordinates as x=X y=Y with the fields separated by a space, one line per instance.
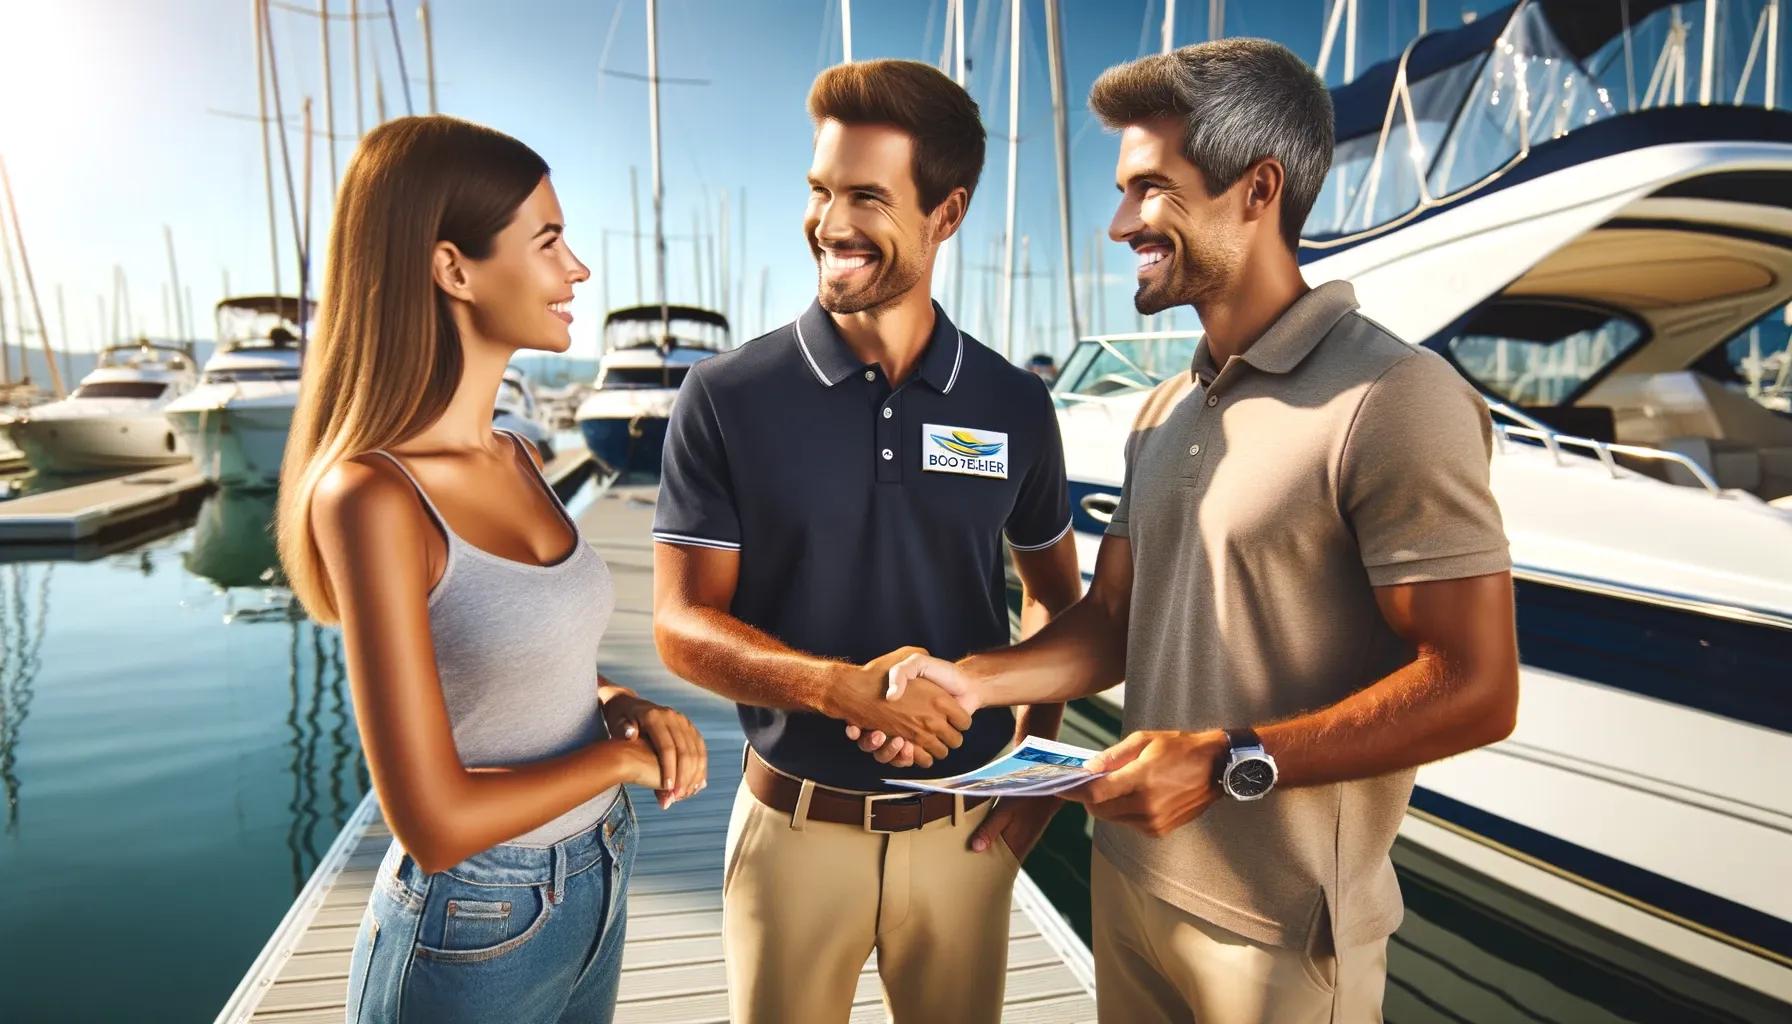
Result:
x=1243 y=100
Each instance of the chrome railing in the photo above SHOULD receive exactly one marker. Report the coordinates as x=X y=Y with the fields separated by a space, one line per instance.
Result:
x=1531 y=429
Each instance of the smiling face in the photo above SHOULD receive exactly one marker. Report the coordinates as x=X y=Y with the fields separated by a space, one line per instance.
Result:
x=522 y=292
x=872 y=241
x=1190 y=245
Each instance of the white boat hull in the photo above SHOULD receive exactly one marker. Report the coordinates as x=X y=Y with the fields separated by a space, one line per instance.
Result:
x=98 y=443
x=238 y=437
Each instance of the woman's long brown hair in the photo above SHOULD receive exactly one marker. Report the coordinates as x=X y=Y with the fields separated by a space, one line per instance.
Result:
x=386 y=356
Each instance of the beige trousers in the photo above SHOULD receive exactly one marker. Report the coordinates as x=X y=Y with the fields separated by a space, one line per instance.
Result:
x=1157 y=963
x=804 y=904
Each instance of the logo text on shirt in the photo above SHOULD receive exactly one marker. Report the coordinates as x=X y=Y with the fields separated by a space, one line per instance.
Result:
x=964 y=450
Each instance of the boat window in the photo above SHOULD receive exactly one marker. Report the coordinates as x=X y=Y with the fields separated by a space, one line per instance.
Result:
x=247 y=374
x=643 y=377
x=1540 y=352
x=121 y=389
x=1109 y=367
x=1759 y=357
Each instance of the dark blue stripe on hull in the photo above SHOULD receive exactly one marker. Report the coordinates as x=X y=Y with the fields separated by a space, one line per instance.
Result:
x=1733 y=669
x=1715 y=912
x=636 y=458
x=1728 y=668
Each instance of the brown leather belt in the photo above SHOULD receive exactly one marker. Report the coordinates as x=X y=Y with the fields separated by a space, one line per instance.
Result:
x=874 y=812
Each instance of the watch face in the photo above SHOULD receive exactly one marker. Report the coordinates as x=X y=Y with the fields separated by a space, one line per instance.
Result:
x=1250 y=778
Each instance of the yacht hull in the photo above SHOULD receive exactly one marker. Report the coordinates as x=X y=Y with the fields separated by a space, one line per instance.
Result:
x=98 y=443
x=237 y=441
x=629 y=447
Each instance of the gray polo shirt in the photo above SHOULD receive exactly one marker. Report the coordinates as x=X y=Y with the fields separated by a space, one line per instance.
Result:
x=1265 y=501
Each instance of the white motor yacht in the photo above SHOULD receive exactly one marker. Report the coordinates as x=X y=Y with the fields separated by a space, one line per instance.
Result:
x=235 y=421
x=646 y=356
x=113 y=419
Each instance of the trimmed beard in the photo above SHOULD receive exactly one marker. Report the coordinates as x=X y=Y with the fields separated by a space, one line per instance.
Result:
x=894 y=279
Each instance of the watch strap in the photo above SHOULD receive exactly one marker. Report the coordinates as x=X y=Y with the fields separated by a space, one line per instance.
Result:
x=1239 y=739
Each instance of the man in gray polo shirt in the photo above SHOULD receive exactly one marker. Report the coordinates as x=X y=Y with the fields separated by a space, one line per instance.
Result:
x=1305 y=584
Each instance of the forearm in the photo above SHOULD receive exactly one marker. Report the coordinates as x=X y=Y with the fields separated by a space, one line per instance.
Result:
x=1081 y=652
x=1427 y=710
x=726 y=656
x=1041 y=720
x=482 y=807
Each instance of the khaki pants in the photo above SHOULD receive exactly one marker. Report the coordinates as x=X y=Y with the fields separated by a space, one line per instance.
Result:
x=805 y=903
x=1155 y=962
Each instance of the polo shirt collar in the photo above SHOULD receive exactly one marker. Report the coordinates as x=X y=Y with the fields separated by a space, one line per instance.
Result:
x=1295 y=333
x=832 y=361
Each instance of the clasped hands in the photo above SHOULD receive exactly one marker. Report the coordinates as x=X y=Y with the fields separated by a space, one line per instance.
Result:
x=674 y=743
x=1157 y=781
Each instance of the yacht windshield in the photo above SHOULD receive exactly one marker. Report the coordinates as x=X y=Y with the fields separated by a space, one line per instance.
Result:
x=121 y=389
x=1456 y=127
x=1109 y=366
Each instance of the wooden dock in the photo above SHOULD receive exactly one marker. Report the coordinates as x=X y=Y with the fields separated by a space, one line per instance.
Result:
x=85 y=511
x=672 y=965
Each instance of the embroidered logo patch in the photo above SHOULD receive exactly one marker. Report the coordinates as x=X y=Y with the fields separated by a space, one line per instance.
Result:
x=964 y=450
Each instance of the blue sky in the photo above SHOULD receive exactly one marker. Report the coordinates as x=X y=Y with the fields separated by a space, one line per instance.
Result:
x=117 y=118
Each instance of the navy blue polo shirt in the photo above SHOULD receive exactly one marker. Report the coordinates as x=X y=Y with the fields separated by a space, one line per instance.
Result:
x=867 y=518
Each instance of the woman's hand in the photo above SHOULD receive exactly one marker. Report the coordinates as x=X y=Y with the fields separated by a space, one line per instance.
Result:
x=677 y=746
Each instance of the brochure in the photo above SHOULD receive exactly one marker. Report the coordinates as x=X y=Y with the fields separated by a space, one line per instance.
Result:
x=1035 y=768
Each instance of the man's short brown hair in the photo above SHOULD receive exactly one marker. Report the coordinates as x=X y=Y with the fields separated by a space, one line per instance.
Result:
x=932 y=109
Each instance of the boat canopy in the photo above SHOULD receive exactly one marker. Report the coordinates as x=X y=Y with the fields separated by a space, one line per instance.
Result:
x=686 y=327
x=1459 y=108
x=260 y=320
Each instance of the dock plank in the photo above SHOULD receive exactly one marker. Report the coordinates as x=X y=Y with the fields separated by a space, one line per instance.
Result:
x=86 y=510
x=672 y=969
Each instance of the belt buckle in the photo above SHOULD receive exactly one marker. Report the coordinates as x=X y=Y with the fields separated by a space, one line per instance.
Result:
x=873 y=799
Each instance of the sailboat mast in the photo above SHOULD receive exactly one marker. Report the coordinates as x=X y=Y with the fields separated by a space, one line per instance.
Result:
x=653 y=129
x=323 y=23
x=959 y=249
x=267 y=159
x=1013 y=177
x=429 y=52
x=354 y=45
x=1060 y=128
x=180 y=321
x=37 y=308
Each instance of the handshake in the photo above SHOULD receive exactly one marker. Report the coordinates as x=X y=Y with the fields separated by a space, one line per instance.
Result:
x=907 y=707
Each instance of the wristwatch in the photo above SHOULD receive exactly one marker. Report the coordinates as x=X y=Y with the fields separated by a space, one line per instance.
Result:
x=1248 y=772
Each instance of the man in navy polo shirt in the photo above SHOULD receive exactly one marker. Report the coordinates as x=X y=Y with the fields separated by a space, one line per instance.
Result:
x=833 y=492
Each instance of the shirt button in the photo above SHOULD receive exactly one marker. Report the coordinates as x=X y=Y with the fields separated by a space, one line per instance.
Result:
x=1194 y=449
x=889 y=413
x=1212 y=400
x=888 y=454
x=870 y=374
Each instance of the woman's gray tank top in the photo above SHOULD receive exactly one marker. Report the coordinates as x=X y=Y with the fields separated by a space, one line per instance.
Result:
x=516 y=649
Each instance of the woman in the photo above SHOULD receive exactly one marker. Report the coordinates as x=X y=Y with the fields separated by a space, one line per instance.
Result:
x=471 y=609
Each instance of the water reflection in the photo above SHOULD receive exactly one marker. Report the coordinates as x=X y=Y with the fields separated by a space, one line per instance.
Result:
x=233 y=548
x=24 y=608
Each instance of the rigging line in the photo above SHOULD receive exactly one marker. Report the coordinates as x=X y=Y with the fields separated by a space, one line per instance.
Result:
x=404 y=77
x=636 y=76
x=603 y=57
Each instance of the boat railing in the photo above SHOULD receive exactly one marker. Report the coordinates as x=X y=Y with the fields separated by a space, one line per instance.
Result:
x=1529 y=428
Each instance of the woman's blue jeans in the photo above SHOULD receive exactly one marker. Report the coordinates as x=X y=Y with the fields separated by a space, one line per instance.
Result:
x=524 y=935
